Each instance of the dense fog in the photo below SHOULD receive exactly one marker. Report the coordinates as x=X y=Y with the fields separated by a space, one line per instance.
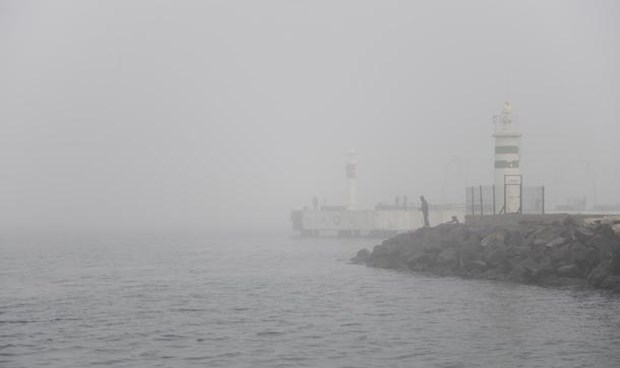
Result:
x=225 y=115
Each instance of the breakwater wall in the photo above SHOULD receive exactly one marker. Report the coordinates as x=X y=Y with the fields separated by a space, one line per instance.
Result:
x=576 y=251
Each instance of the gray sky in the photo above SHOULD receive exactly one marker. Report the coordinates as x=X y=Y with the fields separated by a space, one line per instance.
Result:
x=220 y=115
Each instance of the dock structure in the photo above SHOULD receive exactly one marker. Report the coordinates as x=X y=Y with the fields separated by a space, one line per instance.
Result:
x=383 y=221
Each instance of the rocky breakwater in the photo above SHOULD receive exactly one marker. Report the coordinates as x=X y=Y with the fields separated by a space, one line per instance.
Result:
x=575 y=252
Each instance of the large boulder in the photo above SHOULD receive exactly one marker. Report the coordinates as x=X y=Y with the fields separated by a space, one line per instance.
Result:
x=611 y=282
x=583 y=234
x=422 y=262
x=557 y=242
x=494 y=239
x=514 y=239
x=560 y=255
x=361 y=257
x=524 y=271
x=585 y=258
x=498 y=257
x=448 y=258
x=614 y=267
x=475 y=266
x=571 y=270
x=599 y=274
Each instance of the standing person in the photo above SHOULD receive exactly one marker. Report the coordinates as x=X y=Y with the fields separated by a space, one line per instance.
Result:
x=424 y=209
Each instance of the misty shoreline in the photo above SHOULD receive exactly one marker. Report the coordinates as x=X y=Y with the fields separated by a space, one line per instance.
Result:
x=574 y=253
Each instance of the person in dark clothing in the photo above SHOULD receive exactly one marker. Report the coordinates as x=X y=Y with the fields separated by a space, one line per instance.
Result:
x=424 y=209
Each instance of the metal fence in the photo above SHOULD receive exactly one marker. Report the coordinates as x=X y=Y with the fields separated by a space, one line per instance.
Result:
x=482 y=200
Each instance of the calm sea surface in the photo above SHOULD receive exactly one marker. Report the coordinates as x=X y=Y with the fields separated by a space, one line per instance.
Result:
x=233 y=301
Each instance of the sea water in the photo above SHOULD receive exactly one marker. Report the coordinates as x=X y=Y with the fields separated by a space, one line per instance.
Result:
x=278 y=301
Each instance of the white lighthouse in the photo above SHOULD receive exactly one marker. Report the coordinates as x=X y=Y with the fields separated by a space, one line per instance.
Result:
x=351 y=173
x=508 y=178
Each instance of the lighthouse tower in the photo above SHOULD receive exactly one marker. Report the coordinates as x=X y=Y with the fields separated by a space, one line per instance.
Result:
x=508 y=178
x=351 y=173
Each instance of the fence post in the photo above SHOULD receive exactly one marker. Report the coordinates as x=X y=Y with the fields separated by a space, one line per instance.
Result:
x=543 y=199
x=521 y=196
x=505 y=196
x=473 y=203
x=494 y=199
x=481 y=203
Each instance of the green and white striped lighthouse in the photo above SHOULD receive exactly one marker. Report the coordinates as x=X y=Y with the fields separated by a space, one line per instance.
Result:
x=508 y=178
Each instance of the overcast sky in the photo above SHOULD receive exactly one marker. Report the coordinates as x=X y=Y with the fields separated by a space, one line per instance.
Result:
x=221 y=115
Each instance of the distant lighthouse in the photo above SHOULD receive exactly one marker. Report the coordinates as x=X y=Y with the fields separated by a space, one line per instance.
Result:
x=351 y=173
x=508 y=178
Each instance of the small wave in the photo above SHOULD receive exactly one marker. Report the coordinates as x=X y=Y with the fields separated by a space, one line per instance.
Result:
x=350 y=324
x=66 y=319
x=229 y=355
x=218 y=338
x=190 y=310
x=18 y=322
x=312 y=337
x=169 y=337
x=407 y=356
x=294 y=358
x=109 y=362
x=270 y=333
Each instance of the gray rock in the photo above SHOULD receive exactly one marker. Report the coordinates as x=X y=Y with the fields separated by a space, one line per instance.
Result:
x=494 y=239
x=448 y=257
x=569 y=221
x=565 y=282
x=530 y=265
x=606 y=231
x=599 y=274
x=611 y=282
x=583 y=234
x=477 y=265
x=557 y=242
x=361 y=257
x=498 y=257
x=544 y=270
x=571 y=270
x=422 y=262
x=521 y=274
x=514 y=239
x=615 y=259
x=560 y=255
x=581 y=255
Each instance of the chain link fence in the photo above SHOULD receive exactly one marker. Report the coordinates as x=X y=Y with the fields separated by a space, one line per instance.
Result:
x=482 y=200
